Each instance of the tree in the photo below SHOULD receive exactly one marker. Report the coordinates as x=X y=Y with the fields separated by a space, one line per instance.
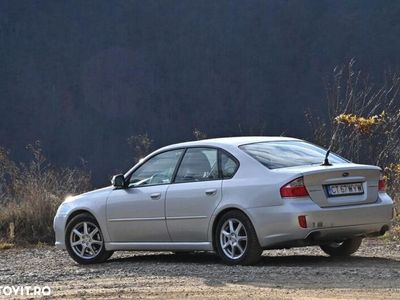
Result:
x=141 y=145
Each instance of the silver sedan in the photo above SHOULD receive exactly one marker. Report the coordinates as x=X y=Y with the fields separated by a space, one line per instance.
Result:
x=235 y=196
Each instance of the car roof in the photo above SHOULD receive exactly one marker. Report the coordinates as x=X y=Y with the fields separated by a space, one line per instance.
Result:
x=231 y=141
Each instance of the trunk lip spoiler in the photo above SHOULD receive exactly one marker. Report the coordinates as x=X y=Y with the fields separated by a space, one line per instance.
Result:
x=314 y=169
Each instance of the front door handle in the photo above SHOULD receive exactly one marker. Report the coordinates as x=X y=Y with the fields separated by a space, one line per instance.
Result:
x=155 y=196
x=211 y=192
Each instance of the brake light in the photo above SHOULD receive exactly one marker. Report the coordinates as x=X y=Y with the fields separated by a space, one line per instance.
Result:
x=295 y=188
x=382 y=184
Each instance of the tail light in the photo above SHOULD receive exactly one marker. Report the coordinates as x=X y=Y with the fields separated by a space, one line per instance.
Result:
x=382 y=184
x=295 y=188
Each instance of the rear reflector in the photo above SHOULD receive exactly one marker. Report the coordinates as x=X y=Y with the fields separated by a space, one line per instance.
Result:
x=303 y=221
x=382 y=185
x=294 y=188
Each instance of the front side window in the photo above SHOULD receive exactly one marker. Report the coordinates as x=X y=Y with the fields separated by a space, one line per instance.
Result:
x=198 y=164
x=157 y=170
x=283 y=154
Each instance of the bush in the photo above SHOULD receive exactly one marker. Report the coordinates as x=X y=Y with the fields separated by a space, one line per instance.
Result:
x=31 y=195
x=362 y=123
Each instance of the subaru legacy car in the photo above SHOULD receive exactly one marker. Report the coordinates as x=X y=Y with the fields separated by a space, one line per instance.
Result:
x=236 y=196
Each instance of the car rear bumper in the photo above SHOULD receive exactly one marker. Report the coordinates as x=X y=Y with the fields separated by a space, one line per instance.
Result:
x=278 y=226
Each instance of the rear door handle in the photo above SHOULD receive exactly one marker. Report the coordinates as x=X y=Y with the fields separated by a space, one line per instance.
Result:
x=155 y=196
x=211 y=192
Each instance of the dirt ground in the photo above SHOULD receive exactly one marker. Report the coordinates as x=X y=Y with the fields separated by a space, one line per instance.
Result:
x=302 y=273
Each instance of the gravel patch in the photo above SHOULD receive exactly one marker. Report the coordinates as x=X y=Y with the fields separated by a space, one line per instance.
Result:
x=374 y=272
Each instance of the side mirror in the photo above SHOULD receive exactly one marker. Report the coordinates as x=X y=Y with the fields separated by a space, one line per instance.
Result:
x=118 y=181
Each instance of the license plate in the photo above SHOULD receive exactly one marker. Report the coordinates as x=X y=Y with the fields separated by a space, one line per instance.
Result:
x=345 y=189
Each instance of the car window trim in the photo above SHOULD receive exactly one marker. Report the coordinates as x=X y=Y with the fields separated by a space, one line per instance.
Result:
x=220 y=174
x=178 y=164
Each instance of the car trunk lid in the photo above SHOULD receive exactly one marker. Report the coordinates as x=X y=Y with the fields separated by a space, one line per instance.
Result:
x=340 y=184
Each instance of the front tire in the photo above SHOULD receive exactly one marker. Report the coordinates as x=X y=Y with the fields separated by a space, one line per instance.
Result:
x=236 y=240
x=345 y=248
x=84 y=240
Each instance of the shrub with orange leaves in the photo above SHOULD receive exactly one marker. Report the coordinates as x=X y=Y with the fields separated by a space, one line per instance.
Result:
x=362 y=124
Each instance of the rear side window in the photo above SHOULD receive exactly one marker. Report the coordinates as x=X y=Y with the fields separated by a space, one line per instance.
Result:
x=198 y=164
x=283 y=154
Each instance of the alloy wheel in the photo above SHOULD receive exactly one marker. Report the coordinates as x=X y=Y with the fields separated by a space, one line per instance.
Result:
x=233 y=238
x=86 y=240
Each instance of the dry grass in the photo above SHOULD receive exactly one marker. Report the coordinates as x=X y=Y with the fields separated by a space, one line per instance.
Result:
x=32 y=194
x=394 y=233
x=6 y=246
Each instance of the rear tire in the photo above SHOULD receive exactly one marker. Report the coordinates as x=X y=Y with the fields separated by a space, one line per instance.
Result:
x=236 y=240
x=346 y=248
x=84 y=240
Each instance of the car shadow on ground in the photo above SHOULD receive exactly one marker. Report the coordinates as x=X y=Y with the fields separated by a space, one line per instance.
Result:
x=206 y=258
x=374 y=267
x=288 y=271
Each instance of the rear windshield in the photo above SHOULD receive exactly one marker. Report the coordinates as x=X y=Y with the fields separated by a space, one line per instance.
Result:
x=283 y=154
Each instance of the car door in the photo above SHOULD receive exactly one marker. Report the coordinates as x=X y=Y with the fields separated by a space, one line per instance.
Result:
x=137 y=213
x=194 y=195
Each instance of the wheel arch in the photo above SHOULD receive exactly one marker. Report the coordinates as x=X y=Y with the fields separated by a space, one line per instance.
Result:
x=78 y=212
x=219 y=215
